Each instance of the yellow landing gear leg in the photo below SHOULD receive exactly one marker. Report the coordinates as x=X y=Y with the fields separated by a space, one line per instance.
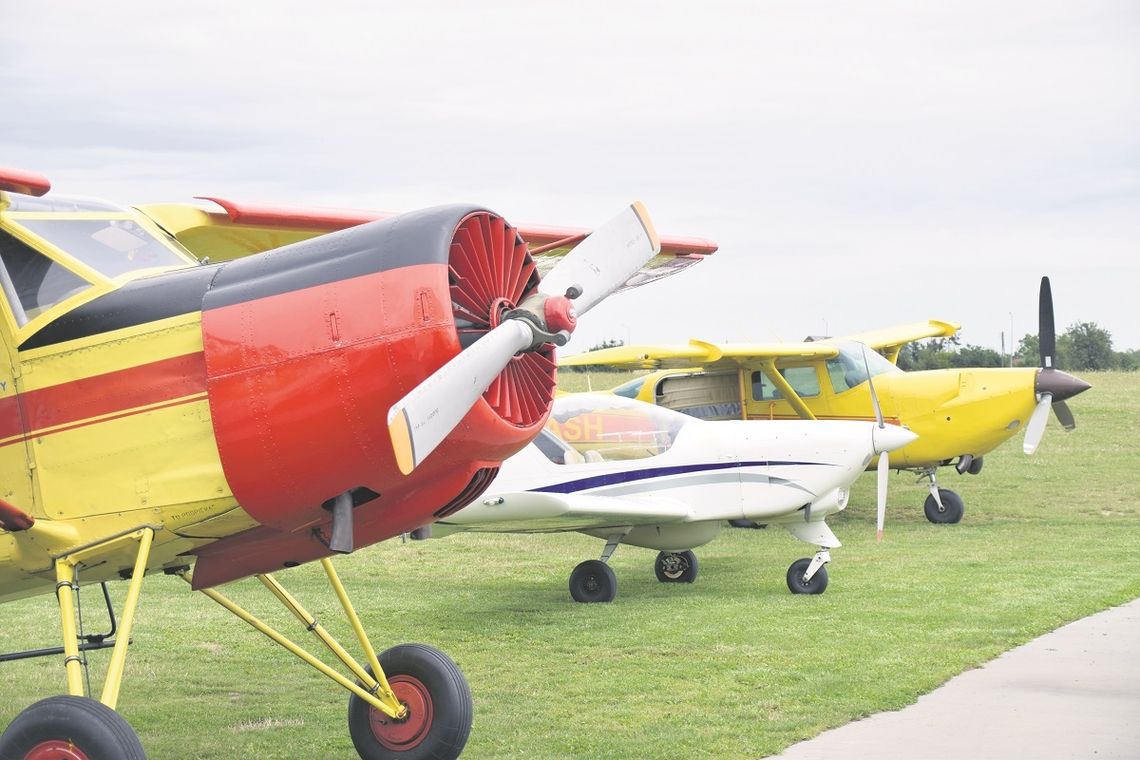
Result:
x=410 y=699
x=74 y=725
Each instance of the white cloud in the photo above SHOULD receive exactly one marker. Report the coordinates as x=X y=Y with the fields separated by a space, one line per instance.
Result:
x=859 y=164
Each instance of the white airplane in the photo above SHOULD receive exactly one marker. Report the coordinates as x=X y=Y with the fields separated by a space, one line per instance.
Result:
x=629 y=472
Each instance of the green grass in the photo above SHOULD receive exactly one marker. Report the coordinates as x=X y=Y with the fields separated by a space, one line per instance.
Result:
x=731 y=666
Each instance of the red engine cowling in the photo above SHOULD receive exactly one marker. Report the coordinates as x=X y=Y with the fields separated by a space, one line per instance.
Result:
x=308 y=346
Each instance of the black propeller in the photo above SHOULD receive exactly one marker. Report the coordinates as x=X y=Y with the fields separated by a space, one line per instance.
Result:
x=1053 y=386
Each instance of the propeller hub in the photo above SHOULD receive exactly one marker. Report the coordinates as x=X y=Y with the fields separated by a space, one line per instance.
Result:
x=559 y=314
x=1060 y=385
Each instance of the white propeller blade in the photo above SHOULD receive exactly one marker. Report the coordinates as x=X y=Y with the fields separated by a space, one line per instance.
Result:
x=1036 y=427
x=422 y=419
x=598 y=266
x=602 y=262
x=881 y=493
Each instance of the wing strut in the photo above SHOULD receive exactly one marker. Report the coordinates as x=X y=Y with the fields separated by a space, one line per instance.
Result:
x=789 y=393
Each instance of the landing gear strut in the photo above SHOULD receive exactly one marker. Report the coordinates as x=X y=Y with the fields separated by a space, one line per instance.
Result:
x=594 y=580
x=942 y=506
x=410 y=702
x=809 y=576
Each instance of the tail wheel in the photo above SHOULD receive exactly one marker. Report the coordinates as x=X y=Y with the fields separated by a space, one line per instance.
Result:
x=70 y=728
x=676 y=567
x=439 y=706
x=490 y=273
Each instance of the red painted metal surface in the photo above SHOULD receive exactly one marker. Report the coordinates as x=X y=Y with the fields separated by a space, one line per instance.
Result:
x=14 y=519
x=23 y=182
x=300 y=385
x=403 y=735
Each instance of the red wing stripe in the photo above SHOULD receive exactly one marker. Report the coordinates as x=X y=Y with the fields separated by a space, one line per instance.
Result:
x=109 y=393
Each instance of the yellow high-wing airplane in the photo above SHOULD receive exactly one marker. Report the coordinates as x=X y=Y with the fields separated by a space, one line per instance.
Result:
x=959 y=414
x=158 y=412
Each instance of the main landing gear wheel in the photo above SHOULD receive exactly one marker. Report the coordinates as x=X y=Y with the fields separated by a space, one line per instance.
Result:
x=439 y=706
x=796 y=582
x=593 y=581
x=952 y=507
x=676 y=567
x=70 y=728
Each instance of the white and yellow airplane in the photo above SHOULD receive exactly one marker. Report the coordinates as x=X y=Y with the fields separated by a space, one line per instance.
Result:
x=959 y=414
x=628 y=472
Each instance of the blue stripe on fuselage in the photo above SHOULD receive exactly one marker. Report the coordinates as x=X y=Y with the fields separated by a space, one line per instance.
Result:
x=628 y=476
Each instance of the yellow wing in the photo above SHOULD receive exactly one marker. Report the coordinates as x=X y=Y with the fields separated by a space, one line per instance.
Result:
x=700 y=354
x=888 y=341
x=232 y=229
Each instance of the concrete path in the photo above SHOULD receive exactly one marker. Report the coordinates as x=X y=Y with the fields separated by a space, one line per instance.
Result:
x=1073 y=693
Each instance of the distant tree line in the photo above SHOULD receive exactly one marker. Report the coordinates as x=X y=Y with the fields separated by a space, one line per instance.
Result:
x=1084 y=346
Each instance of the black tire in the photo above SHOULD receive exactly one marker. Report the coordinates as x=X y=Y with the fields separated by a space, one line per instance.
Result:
x=952 y=508
x=676 y=567
x=975 y=467
x=593 y=581
x=439 y=708
x=747 y=524
x=796 y=584
x=78 y=723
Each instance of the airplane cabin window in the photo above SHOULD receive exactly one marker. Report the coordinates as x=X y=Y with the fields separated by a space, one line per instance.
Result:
x=32 y=282
x=849 y=369
x=762 y=388
x=804 y=380
x=110 y=246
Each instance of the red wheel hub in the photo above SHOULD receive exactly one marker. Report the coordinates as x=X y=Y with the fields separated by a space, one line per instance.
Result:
x=401 y=735
x=55 y=749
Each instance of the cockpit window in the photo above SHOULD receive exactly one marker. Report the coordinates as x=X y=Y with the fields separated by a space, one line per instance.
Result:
x=109 y=246
x=31 y=281
x=848 y=370
x=594 y=428
x=630 y=389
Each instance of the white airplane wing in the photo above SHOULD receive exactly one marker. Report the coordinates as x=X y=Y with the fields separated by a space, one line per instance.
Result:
x=543 y=512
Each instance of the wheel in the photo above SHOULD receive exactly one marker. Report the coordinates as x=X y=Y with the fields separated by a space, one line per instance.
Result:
x=439 y=708
x=593 y=581
x=796 y=583
x=70 y=728
x=952 y=507
x=975 y=466
x=676 y=567
x=747 y=524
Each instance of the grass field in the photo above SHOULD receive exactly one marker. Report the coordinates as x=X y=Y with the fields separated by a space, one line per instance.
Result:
x=732 y=666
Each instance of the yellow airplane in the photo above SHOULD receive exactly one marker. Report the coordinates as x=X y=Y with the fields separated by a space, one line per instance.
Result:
x=158 y=412
x=959 y=414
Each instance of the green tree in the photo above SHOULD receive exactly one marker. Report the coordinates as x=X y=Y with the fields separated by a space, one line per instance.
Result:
x=1128 y=360
x=1086 y=346
x=934 y=353
x=1028 y=353
x=975 y=356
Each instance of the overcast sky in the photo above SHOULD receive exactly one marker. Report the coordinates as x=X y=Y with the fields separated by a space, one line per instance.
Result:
x=860 y=164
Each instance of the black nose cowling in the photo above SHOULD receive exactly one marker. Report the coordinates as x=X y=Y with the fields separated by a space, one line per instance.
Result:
x=1061 y=385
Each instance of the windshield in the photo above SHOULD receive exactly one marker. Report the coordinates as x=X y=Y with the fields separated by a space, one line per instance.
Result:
x=598 y=427
x=849 y=370
x=109 y=246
